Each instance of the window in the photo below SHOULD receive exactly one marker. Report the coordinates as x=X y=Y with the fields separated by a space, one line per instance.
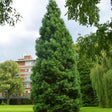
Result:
x=26 y=70
x=27 y=85
x=32 y=63
x=28 y=63
x=27 y=57
x=27 y=77
x=29 y=69
x=28 y=93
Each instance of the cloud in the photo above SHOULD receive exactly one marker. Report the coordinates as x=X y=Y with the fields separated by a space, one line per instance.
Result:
x=105 y=10
x=15 y=41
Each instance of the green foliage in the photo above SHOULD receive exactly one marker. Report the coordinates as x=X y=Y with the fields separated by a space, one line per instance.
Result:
x=101 y=76
x=108 y=87
x=55 y=79
x=10 y=82
x=84 y=11
x=94 y=45
x=7 y=13
x=88 y=94
x=20 y=101
x=84 y=67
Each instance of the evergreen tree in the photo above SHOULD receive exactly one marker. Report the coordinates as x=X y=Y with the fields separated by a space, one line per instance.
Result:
x=55 y=79
x=88 y=94
x=84 y=67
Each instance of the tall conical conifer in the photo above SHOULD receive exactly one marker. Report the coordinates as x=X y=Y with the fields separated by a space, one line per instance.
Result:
x=55 y=79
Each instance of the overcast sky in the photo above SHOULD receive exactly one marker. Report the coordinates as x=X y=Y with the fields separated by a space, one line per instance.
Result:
x=15 y=41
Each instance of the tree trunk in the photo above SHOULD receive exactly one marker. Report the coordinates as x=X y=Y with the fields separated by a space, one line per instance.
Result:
x=8 y=100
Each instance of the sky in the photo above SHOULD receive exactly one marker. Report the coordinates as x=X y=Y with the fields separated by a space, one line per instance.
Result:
x=20 y=39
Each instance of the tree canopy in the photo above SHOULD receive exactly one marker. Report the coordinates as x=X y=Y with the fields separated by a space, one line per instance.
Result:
x=94 y=44
x=10 y=82
x=8 y=14
x=86 y=12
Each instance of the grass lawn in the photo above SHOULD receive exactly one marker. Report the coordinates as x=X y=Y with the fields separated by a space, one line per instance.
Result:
x=95 y=109
x=16 y=108
x=28 y=108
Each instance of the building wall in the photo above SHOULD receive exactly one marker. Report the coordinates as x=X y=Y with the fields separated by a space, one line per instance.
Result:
x=25 y=65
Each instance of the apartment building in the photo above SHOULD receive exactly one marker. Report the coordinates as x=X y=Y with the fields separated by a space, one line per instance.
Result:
x=25 y=65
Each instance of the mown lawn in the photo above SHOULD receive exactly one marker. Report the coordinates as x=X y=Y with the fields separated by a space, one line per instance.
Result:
x=28 y=108
x=95 y=109
x=16 y=108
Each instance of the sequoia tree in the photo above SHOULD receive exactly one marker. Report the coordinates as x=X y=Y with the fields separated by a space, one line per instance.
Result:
x=55 y=79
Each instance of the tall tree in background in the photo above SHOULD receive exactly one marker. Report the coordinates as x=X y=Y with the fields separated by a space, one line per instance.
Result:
x=55 y=79
x=10 y=82
x=7 y=13
x=88 y=94
x=84 y=67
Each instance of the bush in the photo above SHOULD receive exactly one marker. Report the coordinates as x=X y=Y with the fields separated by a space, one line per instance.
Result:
x=3 y=103
x=20 y=102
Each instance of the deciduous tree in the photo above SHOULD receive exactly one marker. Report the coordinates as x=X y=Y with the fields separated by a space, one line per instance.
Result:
x=8 y=14
x=10 y=82
x=86 y=12
x=94 y=44
x=101 y=76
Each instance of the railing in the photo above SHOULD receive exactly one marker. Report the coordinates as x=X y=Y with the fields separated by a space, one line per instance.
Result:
x=16 y=97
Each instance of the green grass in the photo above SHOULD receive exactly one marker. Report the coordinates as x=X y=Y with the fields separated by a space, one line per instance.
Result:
x=29 y=108
x=95 y=109
x=16 y=108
